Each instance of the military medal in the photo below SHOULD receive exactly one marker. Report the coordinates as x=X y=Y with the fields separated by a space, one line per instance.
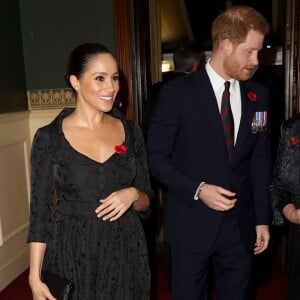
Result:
x=259 y=122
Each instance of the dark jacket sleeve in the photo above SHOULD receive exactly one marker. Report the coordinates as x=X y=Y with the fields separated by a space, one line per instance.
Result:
x=163 y=142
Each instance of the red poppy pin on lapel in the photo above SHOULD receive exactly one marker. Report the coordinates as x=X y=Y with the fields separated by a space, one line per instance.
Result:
x=252 y=96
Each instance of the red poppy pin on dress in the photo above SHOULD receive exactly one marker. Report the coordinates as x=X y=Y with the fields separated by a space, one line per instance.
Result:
x=294 y=140
x=121 y=149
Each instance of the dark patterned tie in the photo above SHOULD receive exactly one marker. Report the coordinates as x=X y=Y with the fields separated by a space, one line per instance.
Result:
x=227 y=119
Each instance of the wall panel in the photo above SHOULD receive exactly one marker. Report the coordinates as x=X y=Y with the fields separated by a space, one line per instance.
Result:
x=14 y=195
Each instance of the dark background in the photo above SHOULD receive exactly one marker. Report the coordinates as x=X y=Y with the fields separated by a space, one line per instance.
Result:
x=202 y=13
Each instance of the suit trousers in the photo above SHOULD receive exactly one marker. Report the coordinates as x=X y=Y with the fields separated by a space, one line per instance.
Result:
x=231 y=265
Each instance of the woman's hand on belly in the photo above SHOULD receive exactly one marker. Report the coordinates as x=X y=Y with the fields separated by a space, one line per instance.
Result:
x=116 y=204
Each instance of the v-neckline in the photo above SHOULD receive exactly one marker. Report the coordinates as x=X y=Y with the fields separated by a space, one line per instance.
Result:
x=110 y=157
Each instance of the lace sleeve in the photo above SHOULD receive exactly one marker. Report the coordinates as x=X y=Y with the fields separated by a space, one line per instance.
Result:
x=142 y=180
x=41 y=202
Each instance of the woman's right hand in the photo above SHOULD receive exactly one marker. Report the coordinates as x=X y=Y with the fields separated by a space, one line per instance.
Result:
x=40 y=290
x=291 y=213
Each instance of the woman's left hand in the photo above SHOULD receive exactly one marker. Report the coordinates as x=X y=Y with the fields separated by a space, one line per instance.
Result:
x=116 y=204
x=291 y=213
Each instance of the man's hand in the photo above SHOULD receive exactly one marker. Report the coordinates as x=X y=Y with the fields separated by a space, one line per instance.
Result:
x=217 y=198
x=262 y=238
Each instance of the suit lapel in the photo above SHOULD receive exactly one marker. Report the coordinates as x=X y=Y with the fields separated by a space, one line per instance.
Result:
x=209 y=104
x=248 y=109
x=212 y=109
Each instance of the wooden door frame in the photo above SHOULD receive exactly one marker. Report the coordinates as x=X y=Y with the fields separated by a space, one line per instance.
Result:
x=122 y=17
x=138 y=51
x=291 y=59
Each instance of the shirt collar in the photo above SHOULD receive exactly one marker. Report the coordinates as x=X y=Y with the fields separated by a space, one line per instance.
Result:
x=216 y=80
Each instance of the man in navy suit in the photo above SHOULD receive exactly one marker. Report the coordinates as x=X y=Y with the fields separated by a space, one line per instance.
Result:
x=217 y=208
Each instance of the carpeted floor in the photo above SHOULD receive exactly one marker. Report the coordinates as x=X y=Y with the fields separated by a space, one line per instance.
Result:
x=273 y=289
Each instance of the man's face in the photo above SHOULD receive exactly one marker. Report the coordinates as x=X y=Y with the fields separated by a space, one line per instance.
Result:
x=242 y=62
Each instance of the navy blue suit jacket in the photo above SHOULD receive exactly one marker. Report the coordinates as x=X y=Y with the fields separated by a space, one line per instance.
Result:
x=186 y=145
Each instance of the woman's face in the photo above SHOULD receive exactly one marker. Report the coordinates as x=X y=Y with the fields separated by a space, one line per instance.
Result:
x=99 y=84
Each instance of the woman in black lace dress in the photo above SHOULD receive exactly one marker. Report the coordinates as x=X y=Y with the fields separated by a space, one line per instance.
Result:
x=285 y=195
x=94 y=161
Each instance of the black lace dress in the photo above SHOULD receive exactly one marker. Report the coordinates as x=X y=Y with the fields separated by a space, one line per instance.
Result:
x=105 y=260
x=285 y=189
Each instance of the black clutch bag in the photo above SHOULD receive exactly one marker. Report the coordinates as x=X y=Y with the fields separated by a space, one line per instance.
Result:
x=59 y=287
